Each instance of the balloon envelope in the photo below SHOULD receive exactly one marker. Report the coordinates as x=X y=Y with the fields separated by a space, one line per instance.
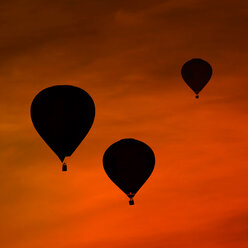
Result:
x=63 y=115
x=129 y=163
x=196 y=73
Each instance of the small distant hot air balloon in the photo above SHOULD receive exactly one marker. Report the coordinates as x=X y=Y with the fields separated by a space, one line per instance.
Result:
x=196 y=73
x=63 y=115
x=129 y=163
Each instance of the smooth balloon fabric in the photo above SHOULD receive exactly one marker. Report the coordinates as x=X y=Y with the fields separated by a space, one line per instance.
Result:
x=196 y=73
x=129 y=163
x=63 y=115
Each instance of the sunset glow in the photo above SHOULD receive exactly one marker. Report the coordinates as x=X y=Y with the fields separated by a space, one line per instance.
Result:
x=127 y=55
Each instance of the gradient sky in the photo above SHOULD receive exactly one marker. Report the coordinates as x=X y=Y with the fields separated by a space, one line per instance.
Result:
x=127 y=55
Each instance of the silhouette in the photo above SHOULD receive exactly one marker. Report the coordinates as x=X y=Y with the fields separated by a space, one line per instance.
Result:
x=196 y=73
x=129 y=163
x=63 y=115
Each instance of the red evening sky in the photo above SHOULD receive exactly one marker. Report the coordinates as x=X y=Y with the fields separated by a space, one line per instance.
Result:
x=127 y=55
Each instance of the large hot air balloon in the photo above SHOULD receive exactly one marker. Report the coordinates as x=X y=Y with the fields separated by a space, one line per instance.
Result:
x=129 y=163
x=196 y=73
x=63 y=115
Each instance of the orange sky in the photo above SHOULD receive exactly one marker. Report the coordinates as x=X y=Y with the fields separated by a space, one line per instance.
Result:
x=127 y=55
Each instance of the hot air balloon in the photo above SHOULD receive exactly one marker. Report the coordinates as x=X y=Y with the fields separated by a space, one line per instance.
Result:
x=63 y=115
x=196 y=73
x=129 y=163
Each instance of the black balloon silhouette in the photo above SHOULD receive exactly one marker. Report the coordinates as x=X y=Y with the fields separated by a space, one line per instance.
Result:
x=63 y=115
x=196 y=73
x=129 y=163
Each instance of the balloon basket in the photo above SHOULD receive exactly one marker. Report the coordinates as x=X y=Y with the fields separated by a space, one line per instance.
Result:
x=197 y=96
x=64 y=167
x=131 y=202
